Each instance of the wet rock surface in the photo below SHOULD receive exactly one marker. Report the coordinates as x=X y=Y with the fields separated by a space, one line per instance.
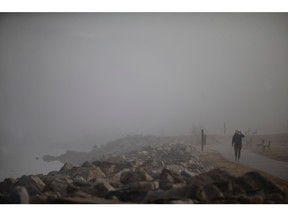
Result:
x=169 y=173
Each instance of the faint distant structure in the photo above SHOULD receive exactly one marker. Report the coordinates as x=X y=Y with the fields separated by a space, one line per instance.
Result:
x=203 y=139
x=248 y=136
x=225 y=128
x=254 y=133
x=248 y=131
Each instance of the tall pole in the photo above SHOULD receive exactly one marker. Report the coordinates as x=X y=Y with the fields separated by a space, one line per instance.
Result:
x=225 y=128
x=202 y=139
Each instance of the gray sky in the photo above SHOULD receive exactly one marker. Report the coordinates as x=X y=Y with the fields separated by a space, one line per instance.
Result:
x=64 y=76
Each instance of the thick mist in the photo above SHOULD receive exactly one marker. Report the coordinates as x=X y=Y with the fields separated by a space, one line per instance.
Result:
x=77 y=78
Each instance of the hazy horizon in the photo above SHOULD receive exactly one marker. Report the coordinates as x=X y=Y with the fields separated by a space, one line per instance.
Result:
x=66 y=76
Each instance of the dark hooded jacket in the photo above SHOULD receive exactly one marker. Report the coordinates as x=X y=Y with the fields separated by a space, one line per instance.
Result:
x=237 y=139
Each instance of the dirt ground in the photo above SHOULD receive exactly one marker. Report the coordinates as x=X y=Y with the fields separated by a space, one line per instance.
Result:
x=236 y=169
x=278 y=148
x=277 y=151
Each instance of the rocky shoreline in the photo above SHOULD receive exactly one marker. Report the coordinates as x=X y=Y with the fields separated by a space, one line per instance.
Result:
x=168 y=173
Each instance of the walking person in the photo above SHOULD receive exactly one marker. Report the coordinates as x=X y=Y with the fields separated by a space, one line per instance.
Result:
x=237 y=143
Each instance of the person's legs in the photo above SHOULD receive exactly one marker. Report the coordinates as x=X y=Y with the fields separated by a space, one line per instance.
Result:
x=235 y=149
x=239 y=152
x=236 y=153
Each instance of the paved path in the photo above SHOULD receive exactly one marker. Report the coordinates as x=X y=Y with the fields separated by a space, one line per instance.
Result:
x=256 y=161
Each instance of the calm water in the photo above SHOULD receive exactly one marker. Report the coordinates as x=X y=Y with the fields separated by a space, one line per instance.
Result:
x=21 y=159
x=23 y=162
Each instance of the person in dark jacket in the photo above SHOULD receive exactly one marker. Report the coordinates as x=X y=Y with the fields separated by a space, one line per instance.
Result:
x=237 y=143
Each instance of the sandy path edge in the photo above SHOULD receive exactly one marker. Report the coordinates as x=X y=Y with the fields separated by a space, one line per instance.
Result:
x=236 y=169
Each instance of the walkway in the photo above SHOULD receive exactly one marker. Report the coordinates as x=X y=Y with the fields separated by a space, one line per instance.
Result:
x=256 y=161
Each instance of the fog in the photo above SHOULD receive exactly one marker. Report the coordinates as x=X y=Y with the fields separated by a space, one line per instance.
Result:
x=70 y=77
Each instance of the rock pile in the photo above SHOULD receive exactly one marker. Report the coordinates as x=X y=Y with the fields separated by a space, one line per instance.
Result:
x=117 y=148
x=167 y=173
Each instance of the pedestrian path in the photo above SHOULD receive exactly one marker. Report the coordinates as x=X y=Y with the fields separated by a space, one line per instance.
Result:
x=256 y=161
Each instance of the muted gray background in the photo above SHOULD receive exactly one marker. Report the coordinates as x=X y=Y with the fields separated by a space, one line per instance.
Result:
x=64 y=77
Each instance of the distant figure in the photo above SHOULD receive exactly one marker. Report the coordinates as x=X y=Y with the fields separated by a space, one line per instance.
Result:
x=237 y=143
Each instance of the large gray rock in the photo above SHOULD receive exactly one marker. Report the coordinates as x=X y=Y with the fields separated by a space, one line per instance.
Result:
x=67 y=166
x=255 y=183
x=141 y=186
x=168 y=179
x=7 y=185
x=88 y=164
x=154 y=173
x=196 y=192
x=89 y=174
x=80 y=181
x=106 y=167
x=33 y=184
x=45 y=198
x=117 y=176
x=165 y=196
x=188 y=174
x=213 y=176
x=18 y=195
x=57 y=183
x=134 y=176
x=225 y=186
x=213 y=192
x=103 y=187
